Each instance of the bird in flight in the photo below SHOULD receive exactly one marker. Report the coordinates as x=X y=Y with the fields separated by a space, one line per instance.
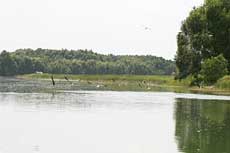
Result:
x=144 y=27
x=147 y=28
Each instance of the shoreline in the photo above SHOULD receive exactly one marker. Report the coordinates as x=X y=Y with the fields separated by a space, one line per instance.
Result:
x=130 y=83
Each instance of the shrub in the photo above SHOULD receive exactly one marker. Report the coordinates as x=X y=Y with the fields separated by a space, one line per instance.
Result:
x=213 y=69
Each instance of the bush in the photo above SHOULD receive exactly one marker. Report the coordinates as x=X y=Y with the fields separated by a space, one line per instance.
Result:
x=213 y=69
x=197 y=80
x=224 y=83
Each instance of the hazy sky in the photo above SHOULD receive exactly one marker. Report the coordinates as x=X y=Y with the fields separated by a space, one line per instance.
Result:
x=105 y=26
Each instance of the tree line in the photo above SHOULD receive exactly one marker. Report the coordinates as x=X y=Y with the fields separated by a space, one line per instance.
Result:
x=25 y=61
x=204 y=43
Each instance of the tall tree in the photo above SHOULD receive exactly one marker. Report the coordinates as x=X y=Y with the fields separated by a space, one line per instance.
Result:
x=7 y=64
x=204 y=34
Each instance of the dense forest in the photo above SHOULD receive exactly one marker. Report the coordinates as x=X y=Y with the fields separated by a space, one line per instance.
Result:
x=25 y=61
x=204 y=42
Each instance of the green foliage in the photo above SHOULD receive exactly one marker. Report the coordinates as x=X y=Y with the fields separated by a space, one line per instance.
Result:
x=81 y=62
x=8 y=65
x=204 y=34
x=223 y=83
x=197 y=80
x=213 y=69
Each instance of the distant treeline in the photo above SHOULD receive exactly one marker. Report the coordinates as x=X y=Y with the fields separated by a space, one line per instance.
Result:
x=25 y=61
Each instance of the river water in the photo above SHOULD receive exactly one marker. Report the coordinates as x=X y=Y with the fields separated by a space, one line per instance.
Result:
x=114 y=122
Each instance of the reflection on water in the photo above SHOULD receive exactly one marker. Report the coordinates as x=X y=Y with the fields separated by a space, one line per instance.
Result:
x=86 y=122
x=85 y=100
x=114 y=122
x=202 y=126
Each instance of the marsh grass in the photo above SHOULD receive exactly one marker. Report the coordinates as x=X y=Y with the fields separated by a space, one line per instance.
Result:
x=223 y=83
x=130 y=83
x=135 y=79
x=117 y=82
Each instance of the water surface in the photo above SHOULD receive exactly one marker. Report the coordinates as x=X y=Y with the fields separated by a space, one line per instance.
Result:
x=114 y=122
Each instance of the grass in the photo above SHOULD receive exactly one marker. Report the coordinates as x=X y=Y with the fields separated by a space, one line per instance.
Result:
x=101 y=77
x=223 y=83
x=221 y=87
x=118 y=82
x=138 y=83
x=156 y=79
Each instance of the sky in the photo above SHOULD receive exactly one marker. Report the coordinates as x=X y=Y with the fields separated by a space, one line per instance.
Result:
x=133 y=27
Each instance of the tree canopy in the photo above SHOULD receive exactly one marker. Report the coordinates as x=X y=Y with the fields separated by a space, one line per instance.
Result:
x=24 y=61
x=205 y=33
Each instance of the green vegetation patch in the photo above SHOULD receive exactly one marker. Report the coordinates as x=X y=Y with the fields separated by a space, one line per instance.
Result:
x=223 y=83
x=157 y=79
x=111 y=82
x=128 y=83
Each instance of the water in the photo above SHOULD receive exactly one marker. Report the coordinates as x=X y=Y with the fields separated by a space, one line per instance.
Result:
x=114 y=122
x=36 y=117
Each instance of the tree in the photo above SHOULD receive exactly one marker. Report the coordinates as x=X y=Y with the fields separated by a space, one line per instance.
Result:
x=7 y=64
x=86 y=62
x=213 y=69
x=205 y=33
x=183 y=57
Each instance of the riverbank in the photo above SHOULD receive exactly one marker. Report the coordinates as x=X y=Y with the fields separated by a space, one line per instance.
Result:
x=131 y=83
x=115 y=82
